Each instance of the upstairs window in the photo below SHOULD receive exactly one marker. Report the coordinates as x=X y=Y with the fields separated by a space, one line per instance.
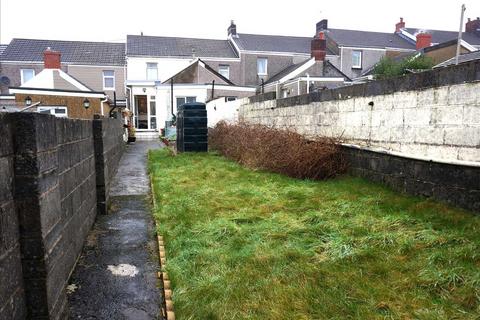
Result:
x=356 y=59
x=26 y=74
x=262 y=64
x=224 y=70
x=152 y=71
x=108 y=80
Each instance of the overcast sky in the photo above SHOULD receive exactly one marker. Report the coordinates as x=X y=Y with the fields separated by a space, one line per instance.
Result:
x=109 y=20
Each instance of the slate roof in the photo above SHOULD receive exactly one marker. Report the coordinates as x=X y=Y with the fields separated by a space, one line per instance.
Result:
x=269 y=43
x=78 y=52
x=178 y=47
x=439 y=36
x=2 y=48
x=461 y=58
x=286 y=71
x=368 y=39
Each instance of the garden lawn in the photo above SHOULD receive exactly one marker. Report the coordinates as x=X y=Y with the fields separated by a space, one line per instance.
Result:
x=245 y=244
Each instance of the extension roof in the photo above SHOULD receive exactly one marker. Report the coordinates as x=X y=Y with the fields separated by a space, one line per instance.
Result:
x=440 y=36
x=150 y=46
x=368 y=39
x=73 y=52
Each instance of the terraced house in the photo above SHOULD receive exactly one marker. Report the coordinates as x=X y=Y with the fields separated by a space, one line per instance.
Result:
x=153 y=75
x=98 y=65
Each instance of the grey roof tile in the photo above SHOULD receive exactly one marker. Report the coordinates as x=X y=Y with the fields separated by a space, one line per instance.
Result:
x=439 y=36
x=79 y=52
x=178 y=47
x=368 y=39
x=270 y=43
x=461 y=58
x=3 y=47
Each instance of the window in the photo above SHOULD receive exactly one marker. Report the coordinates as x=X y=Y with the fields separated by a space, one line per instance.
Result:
x=60 y=112
x=228 y=99
x=262 y=66
x=224 y=70
x=357 y=59
x=183 y=100
x=26 y=74
x=153 y=112
x=108 y=80
x=152 y=71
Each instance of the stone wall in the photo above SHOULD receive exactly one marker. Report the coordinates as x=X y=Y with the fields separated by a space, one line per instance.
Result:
x=53 y=169
x=12 y=294
x=435 y=115
x=432 y=116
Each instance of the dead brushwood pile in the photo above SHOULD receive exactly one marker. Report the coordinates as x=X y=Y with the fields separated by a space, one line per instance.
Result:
x=282 y=151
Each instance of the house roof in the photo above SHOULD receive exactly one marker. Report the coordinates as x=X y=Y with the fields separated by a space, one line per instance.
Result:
x=178 y=47
x=201 y=63
x=461 y=58
x=328 y=66
x=73 y=52
x=2 y=48
x=440 y=36
x=271 y=43
x=367 y=39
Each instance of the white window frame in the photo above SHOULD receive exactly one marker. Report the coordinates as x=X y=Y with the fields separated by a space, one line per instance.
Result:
x=226 y=70
x=359 y=65
x=52 y=108
x=108 y=77
x=22 y=77
x=156 y=70
x=266 y=66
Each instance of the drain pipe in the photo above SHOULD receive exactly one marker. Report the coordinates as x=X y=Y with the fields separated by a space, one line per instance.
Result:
x=213 y=89
x=101 y=104
x=171 y=99
x=114 y=104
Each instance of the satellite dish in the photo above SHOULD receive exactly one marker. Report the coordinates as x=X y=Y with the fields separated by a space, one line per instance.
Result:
x=5 y=80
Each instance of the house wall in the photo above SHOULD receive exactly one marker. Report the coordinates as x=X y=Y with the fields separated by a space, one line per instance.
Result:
x=74 y=104
x=53 y=167
x=92 y=76
x=167 y=67
x=434 y=116
x=276 y=63
x=443 y=54
x=369 y=58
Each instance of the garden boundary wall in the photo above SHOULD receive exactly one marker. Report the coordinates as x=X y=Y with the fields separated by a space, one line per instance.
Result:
x=419 y=133
x=57 y=173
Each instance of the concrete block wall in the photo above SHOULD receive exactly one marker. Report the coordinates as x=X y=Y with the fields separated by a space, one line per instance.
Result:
x=53 y=168
x=12 y=293
x=434 y=114
x=109 y=147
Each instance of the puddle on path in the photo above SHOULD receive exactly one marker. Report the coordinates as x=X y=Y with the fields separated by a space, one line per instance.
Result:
x=123 y=270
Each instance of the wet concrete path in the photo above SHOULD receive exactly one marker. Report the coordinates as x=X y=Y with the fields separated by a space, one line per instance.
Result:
x=115 y=277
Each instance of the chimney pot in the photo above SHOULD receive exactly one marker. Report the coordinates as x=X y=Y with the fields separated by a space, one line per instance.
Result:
x=232 y=29
x=400 y=25
x=51 y=59
x=424 y=40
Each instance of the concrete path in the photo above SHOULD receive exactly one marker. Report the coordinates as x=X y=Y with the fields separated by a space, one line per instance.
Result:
x=115 y=277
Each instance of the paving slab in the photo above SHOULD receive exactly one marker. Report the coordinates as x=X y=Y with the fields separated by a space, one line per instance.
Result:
x=115 y=277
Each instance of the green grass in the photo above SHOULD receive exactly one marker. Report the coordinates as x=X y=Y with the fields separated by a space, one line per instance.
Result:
x=245 y=244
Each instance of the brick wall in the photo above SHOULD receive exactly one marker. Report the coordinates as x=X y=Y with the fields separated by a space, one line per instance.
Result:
x=12 y=295
x=53 y=165
x=74 y=104
x=433 y=116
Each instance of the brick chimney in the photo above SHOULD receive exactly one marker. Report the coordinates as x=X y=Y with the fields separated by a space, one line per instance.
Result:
x=51 y=59
x=424 y=40
x=473 y=26
x=321 y=26
x=319 y=47
x=400 y=25
x=232 y=30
